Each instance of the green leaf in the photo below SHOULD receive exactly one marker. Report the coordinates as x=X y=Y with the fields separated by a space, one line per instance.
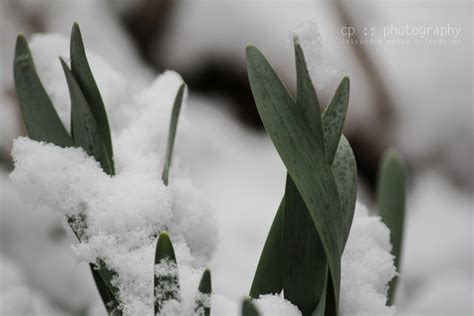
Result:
x=107 y=296
x=391 y=202
x=166 y=285
x=43 y=124
x=248 y=309
x=205 y=288
x=334 y=117
x=172 y=133
x=306 y=97
x=82 y=73
x=41 y=120
x=344 y=170
x=268 y=275
x=102 y=277
x=304 y=259
x=86 y=130
x=321 y=308
x=301 y=152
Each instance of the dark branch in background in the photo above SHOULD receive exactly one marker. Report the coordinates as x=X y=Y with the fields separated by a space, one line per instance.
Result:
x=150 y=19
x=146 y=22
x=225 y=77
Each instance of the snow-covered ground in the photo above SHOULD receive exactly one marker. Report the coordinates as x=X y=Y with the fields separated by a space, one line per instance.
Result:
x=237 y=171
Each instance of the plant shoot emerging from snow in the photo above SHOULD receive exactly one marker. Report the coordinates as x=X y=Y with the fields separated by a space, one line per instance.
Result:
x=147 y=233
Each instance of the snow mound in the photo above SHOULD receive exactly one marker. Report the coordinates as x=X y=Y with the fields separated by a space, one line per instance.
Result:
x=366 y=267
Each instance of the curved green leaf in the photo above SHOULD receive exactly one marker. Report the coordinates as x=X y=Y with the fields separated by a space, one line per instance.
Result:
x=107 y=296
x=102 y=278
x=82 y=73
x=86 y=130
x=304 y=259
x=172 y=132
x=268 y=275
x=391 y=202
x=307 y=98
x=334 y=116
x=41 y=120
x=344 y=170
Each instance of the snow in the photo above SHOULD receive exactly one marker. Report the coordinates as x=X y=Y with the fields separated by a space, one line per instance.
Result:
x=269 y=305
x=437 y=254
x=321 y=72
x=35 y=239
x=366 y=267
x=124 y=213
x=16 y=298
x=9 y=126
x=119 y=228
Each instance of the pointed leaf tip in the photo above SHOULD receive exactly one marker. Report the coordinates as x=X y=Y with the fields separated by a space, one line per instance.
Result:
x=334 y=117
x=164 y=248
x=40 y=118
x=86 y=129
x=175 y=111
x=251 y=50
x=205 y=285
x=83 y=76
x=248 y=308
x=166 y=286
x=21 y=42
x=202 y=302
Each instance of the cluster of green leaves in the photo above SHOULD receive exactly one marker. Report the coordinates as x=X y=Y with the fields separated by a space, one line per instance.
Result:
x=89 y=129
x=302 y=253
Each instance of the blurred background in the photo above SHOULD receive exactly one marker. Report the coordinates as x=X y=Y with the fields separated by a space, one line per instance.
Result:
x=411 y=88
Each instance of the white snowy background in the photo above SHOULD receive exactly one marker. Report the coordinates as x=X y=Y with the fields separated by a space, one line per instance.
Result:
x=232 y=172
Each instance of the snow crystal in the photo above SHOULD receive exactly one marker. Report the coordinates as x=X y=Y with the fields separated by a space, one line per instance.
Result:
x=366 y=267
x=321 y=72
